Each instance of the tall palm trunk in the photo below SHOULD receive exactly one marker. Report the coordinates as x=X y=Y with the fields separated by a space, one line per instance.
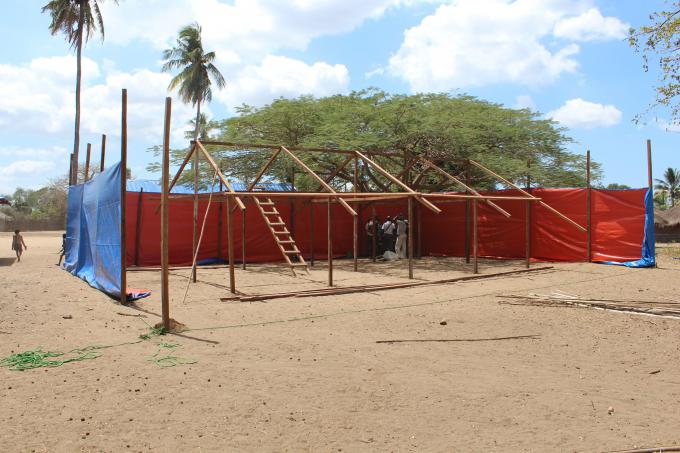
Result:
x=195 y=165
x=79 y=53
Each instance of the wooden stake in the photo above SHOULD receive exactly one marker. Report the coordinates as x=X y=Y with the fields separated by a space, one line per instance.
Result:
x=87 y=162
x=467 y=214
x=527 y=223
x=123 y=198
x=138 y=225
x=103 y=154
x=409 y=238
x=165 y=261
x=355 y=244
x=195 y=230
x=70 y=174
x=589 y=207
x=330 y=245
x=475 y=238
x=230 y=241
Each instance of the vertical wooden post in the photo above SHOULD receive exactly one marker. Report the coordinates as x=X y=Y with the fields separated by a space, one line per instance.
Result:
x=138 y=225
x=468 y=180
x=589 y=207
x=375 y=234
x=165 y=261
x=409 y=238
x=87 y=162
x=527 y=223
x=230 y=245
x=330 y=244
x=650 y=181
x=355 y=229
x=123 y=199
x=195 y=230
x=243 y=240
x=311 y=232
x=70 y=174
x=103 y=155
x=474 y=237
x=220 y=213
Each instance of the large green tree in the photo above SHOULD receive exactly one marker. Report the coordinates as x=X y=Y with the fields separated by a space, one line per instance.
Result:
x=659 y=43
x=196 y=70
x=77 y=20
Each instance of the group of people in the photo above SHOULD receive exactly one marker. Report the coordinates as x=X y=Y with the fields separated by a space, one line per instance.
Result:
x=390 y=235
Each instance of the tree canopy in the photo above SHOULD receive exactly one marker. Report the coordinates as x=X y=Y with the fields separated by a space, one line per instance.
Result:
x=659 y=42
x=441 y=127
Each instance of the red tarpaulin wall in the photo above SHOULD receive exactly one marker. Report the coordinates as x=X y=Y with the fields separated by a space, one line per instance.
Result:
x=618 y=221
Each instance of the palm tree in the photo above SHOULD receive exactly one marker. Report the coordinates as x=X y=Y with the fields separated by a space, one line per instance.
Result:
x=78 y=20
x=670 y=184
x=196 y=70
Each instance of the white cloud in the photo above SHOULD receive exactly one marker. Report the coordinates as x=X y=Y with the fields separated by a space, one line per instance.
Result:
x=281 y=76
x=591 y=26
x=28 y=174
x=580 y=114
x=481 y=42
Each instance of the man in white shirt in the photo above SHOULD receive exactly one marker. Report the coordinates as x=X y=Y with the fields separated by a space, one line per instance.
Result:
x=402 y=236
x=388 y=229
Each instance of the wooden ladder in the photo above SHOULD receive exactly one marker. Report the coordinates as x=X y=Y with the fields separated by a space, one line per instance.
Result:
x=281 y=236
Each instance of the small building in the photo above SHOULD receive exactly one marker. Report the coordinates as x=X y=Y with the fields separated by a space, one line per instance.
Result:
x=667 y=225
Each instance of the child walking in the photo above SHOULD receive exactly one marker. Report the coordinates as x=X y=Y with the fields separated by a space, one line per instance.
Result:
x=18 y=244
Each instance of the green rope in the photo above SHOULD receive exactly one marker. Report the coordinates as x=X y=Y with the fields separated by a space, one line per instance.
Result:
x=38 y=358
x=168 y=361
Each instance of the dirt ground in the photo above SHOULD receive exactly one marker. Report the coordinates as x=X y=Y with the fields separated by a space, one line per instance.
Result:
x=308 y=375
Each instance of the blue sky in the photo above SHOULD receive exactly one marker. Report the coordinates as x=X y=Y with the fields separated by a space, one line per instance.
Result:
x=567 y=59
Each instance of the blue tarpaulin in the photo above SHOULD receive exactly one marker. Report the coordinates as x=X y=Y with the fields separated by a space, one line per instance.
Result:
x=93 y=231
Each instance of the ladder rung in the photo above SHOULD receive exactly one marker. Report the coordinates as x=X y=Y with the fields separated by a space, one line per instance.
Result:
x=276 y=223
x=291 y=252
x=286 y=242
x=281 y=232
x=274 y=212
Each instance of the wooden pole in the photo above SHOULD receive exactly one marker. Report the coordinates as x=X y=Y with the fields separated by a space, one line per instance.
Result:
x=355 y=224
x=527 y=223
x=165 y=261
x=230 y=242
x=123 y=199
x=220 y=213
x=409 y=238
x=311 y=233
x=138 y=225
x=474 y=237
x=70 y=174
x=650 y=181
x=195 y=229
x=468 y=179
x=589 y=207
x=103 y=154
x=330 y=245
x=88 y=154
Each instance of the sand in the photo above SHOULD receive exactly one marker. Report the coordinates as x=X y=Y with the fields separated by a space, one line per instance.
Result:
x=308 y=375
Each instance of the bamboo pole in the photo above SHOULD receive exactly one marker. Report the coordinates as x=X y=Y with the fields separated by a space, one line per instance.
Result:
x=527 y=223
x=468 y=206
x=123 y=198
x=194 y=235
x=514 y=186
x=138 y=225
x=589 y=207
x=409 y=238
x=88 y=154
x=475 y=238
x=103 y=154
x=230 y=242
x=355 y=224
x=165 y=261
x=330 y=245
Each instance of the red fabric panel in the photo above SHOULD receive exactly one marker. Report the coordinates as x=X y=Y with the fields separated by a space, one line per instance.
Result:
x=618 y=228
x=617 y=220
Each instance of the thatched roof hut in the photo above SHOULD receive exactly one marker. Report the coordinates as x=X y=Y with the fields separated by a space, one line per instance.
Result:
x=667 y=224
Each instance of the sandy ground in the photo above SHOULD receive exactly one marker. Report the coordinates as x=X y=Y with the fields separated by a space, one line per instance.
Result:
x=308 y=375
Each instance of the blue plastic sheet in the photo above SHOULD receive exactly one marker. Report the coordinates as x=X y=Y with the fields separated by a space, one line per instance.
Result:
x=648 y=258
x=93 y=231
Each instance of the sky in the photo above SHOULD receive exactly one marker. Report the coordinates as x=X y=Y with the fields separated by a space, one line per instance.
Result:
x=567 y=59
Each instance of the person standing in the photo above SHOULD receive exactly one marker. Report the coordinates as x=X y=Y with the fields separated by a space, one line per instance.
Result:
x=18 y=244
x=62 y=252
x=402 y=236
x=372 y=227
x=388 y=229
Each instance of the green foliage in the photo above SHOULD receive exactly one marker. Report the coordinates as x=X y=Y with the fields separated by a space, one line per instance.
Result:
x=660 y=42
x=669 y=186
x=65 y=16
x=49 y=202
x=616 y=186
